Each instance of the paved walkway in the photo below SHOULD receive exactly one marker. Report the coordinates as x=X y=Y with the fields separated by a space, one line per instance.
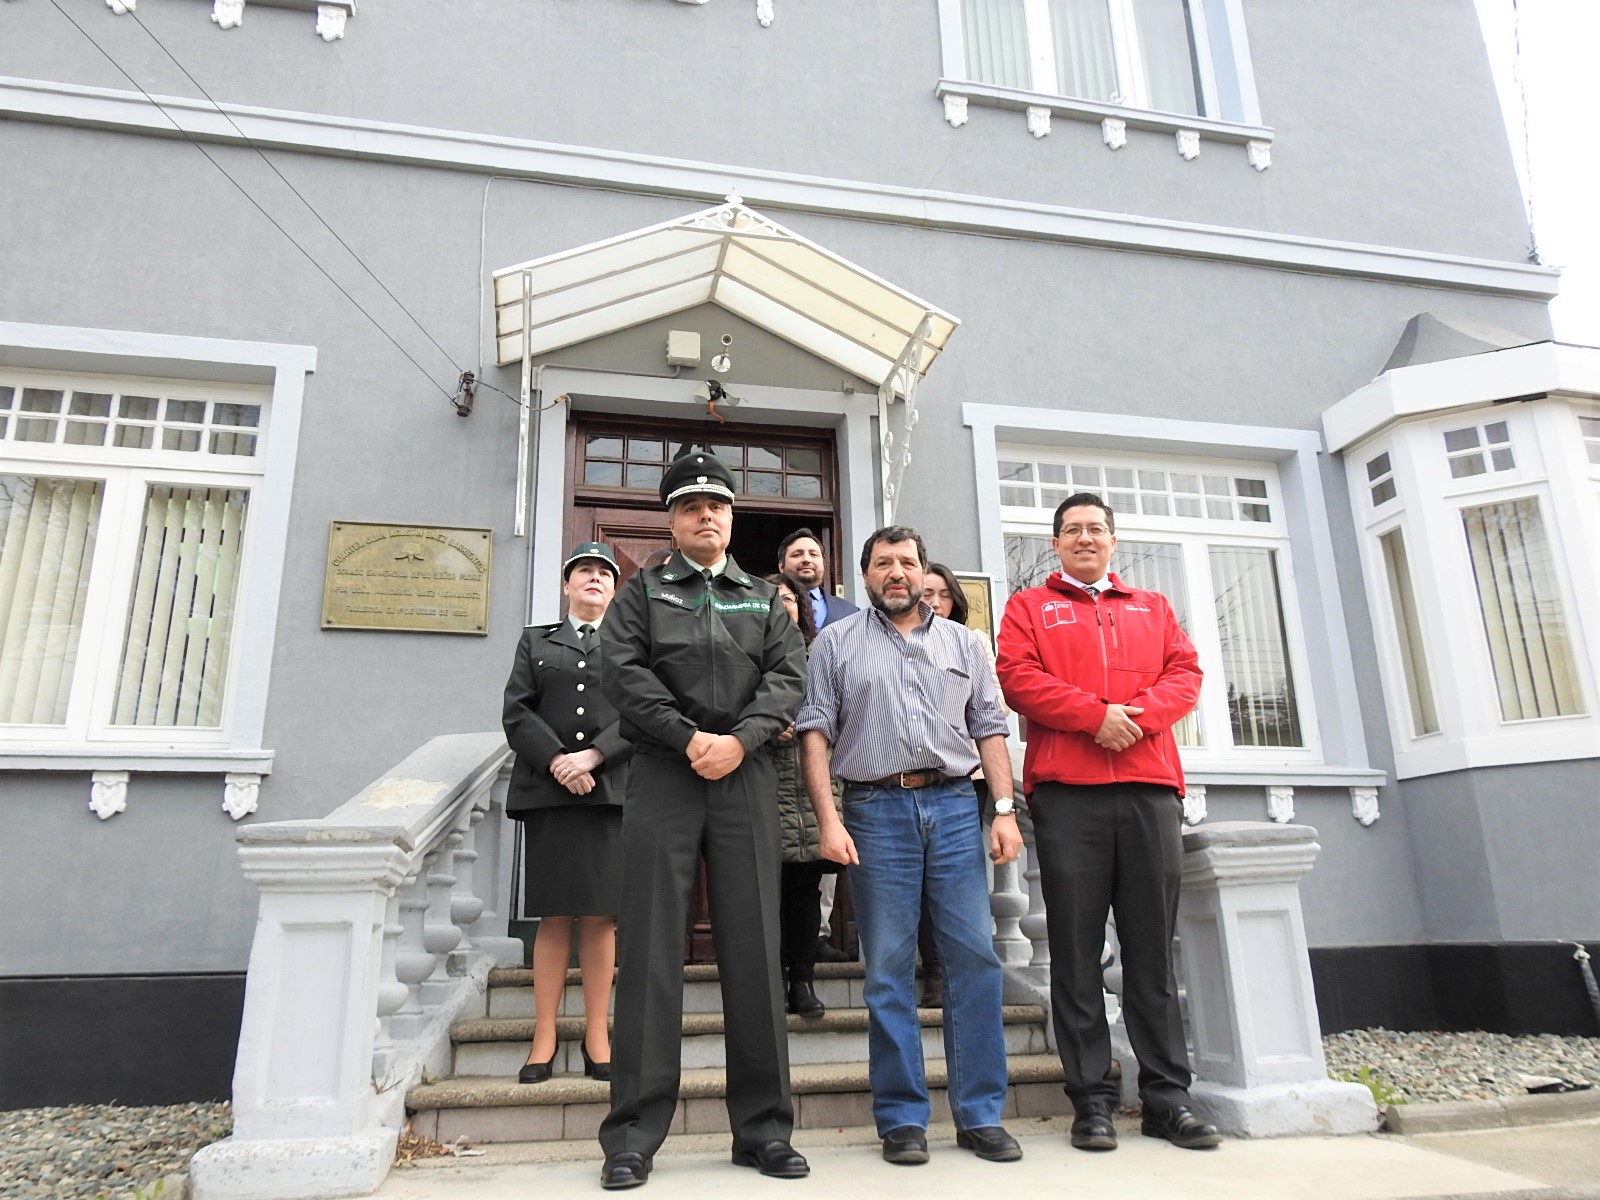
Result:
x=1553 y=1162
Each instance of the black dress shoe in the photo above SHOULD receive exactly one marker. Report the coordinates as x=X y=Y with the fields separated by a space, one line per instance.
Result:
x=803 y=999
x=1180 y=1127
x=1092 y=1128
x=906 y=1146
x=624 y=1169
x=537 y=1072
x=989 y=1142
x=828 y=952
x=777 y=1159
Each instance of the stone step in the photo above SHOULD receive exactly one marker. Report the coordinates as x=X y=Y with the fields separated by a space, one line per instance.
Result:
x=498 y=1046
x=570 y=1108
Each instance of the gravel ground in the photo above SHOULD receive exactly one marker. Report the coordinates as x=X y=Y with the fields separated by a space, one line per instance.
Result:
x=1461 y=1066
x=88 y=1151
x=92 y=1150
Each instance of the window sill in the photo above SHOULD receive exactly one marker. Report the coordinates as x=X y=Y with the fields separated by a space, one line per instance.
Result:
x=1115 y=119
x=110 y=767
x=1299 y=776
x=38 y=756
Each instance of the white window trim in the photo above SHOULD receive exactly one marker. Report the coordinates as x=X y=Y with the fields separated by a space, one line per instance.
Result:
x=1196 y=535
x=280 y=368
x=1551 y=466
x=1329 y=670
x=1131 y=115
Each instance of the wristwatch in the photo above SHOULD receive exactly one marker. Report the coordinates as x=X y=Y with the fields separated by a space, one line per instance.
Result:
x=1004 y=806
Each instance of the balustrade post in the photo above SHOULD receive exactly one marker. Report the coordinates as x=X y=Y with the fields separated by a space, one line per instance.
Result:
x=1257 y=1042
x=439 y=932
x=491 y=875
x=302 y=1085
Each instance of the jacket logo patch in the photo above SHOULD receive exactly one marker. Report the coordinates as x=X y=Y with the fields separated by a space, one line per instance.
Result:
x=723 y=606
x=1057 y=612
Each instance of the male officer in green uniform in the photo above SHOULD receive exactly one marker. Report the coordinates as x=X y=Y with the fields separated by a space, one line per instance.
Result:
x=704 y=667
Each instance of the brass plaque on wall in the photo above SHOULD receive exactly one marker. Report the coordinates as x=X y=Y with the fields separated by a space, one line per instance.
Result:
x=420 y=578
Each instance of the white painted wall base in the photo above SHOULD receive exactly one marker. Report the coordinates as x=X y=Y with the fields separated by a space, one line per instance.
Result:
x=288 y=1168
x=1320 y=1106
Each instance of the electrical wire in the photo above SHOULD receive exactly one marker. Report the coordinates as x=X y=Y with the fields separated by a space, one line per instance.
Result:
x=257 y=206
x=350 y=250
x=1527 y=139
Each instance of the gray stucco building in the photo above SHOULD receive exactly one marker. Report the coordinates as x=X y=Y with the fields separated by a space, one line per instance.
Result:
x=1240 y=265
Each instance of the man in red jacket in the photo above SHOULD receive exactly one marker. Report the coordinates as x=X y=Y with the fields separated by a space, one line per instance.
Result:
x=1102 y=672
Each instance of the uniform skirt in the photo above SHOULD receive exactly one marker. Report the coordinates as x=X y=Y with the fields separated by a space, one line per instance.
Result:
x=572 y=861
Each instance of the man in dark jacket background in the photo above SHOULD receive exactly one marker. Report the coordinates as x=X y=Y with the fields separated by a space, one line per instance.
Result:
x=800 y=555
x=705 y=668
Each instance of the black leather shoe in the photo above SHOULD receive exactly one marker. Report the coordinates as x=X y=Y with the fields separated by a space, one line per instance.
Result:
x=905 y=1145
x=989 y=1142
x=537 y=1072
x=777 y=1159
x=624 y=1169
x=1092 y=1128
x=1180 y=1127
x=803 y=999
x=828 y=952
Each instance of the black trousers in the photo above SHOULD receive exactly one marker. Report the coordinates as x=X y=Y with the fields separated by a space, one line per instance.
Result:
x=1113 y=848
x=800 y=917
x=670 y=818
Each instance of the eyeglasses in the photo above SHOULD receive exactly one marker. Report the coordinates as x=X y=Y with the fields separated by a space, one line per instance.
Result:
x=1095 y=531
x=790 y=598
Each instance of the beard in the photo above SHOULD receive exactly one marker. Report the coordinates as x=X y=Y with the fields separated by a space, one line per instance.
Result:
x=892 y=607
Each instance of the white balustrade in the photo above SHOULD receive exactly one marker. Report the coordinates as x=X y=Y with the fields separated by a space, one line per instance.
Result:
x=373 y=937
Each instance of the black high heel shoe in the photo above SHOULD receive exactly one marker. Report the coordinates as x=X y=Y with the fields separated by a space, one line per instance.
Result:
x=594 y=1070
x=538 y=1072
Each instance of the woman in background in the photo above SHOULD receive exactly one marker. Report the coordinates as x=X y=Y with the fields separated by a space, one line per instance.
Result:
x=799 y=897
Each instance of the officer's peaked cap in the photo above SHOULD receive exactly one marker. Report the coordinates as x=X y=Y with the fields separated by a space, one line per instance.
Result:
x=694 y=473
x=595 y=550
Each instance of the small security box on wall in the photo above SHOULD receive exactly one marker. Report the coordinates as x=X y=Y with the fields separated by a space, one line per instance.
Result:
x=683 y=348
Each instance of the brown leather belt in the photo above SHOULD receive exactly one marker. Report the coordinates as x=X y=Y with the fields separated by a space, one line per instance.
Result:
x=926 y=777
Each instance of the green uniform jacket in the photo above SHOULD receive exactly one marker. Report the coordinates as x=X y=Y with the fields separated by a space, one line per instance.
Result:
x=682 y=656
x=555 y=705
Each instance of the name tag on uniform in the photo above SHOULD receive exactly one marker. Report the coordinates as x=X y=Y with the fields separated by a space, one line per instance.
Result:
x=1058 y=612
x=671 y=598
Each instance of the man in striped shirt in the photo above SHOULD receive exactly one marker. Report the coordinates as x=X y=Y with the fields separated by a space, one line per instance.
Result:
x=900 y=696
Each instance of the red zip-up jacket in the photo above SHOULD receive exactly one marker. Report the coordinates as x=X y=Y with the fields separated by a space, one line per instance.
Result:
x=1064 y=657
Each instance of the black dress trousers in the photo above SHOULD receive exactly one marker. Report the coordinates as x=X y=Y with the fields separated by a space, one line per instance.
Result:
x=672 y=815
x=1114 y=847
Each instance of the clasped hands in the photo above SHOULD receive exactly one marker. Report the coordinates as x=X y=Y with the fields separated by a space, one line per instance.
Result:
x=1117 y=731
x=713 y=755
x=575 y=772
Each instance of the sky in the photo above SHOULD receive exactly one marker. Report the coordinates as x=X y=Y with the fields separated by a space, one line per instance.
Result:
x=1554 y=84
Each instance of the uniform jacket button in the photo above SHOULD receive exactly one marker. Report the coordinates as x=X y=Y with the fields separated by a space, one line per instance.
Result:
x=580 y=735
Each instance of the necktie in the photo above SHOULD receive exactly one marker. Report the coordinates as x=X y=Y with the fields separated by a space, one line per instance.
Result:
x=586 y=633
x=1093 y=591
x=708 y=576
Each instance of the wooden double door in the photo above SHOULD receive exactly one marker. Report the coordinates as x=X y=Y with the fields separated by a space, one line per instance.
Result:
x=784 y=478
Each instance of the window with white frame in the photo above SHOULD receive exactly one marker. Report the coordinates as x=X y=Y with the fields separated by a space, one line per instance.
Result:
x=1481 y=571
x=1170 y=56
x=1211 y=537
x=124 y=515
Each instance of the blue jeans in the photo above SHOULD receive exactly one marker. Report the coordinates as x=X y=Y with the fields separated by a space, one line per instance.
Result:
x=909 y=841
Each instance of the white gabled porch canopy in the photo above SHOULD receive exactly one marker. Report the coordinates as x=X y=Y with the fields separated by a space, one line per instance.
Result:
x=736 y=258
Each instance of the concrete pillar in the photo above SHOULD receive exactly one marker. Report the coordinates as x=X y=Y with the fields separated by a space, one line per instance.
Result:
x=1259 y=1068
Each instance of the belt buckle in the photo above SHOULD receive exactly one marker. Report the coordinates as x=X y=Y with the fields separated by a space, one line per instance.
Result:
x=920 y=776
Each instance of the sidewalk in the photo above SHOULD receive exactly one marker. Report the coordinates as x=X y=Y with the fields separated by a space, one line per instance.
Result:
x=1553 y=1162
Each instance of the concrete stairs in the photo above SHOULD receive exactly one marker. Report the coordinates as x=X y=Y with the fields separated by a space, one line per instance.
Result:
x=483 y=1102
